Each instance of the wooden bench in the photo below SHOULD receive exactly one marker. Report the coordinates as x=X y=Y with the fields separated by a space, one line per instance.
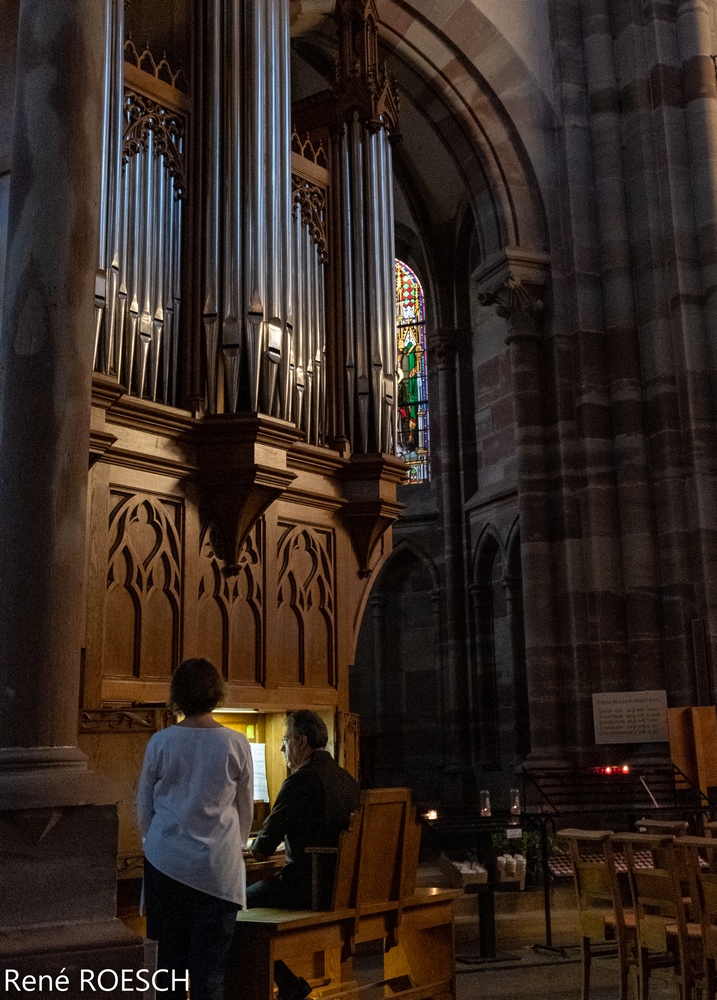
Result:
x=374 y=899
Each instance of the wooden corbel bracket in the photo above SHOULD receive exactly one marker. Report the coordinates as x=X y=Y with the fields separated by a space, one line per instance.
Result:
x=242 y=471
x=105 y=393
x=370 y=483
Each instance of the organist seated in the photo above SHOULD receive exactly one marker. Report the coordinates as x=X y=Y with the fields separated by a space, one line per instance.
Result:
x=312 y=808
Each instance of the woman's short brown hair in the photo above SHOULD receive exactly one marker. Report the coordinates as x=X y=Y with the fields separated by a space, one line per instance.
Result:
x=197 y=687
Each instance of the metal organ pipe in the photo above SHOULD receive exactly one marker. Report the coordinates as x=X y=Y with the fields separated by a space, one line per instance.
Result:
x=391 y=346
x=229 y=115
x=210 y=310
x=368 y=291
x=347 y=284
x=104 y=355
x=358 y=278
x=374 y=287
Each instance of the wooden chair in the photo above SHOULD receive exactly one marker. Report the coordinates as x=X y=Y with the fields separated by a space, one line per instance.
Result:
x=672 y=828
x=665 y=938
x=374 y=897
x=606 y=926
x=701 y=859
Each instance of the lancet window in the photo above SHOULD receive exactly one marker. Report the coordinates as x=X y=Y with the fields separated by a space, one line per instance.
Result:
x=413 y=431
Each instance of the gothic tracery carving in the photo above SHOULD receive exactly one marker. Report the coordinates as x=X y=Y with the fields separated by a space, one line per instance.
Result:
x=236 y=591
x=310 y=200
x=144 y=115
x=143 y=585
x=306 y=591
x=160 y=70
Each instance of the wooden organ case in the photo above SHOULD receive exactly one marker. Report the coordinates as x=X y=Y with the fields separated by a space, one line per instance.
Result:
x=242 y=470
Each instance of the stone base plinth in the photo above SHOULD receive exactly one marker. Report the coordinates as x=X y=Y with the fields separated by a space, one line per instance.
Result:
x=58 y=882
x=77 y=960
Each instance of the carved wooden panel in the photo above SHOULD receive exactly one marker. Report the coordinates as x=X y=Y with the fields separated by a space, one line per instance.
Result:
x=306 y=605
x=142 y=611
x=115 y=741
x=231 y=607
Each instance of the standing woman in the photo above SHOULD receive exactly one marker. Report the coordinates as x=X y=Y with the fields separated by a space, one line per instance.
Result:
x=194 y=806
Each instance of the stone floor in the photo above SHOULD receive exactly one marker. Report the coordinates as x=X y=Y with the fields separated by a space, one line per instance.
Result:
x=523 y=971
x=523 y=968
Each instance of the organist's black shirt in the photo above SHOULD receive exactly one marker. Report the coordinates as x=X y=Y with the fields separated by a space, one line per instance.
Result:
x=312 y=808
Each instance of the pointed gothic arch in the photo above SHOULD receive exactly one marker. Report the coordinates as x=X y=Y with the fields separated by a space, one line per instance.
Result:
x=396 y=682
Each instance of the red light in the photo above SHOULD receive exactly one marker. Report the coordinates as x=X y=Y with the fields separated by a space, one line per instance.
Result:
x=625 y=769
x=607 y=770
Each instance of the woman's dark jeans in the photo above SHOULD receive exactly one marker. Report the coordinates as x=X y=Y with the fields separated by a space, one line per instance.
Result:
x=194 y=932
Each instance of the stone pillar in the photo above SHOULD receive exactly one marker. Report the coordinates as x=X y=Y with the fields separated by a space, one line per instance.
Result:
x=514 y=282
x=58 y=822
x=485 y=745
x=513 y=587
x=623 y=363
x=442 y=349
x=695 y=44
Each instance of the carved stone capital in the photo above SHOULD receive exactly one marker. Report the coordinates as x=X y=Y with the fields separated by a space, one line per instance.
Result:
x=514 y=282
x=442 y=346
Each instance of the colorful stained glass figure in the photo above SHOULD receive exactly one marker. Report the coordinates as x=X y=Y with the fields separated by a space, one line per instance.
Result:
x=413 y=437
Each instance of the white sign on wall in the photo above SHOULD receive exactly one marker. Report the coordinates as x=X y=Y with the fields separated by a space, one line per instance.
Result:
x=630 y=717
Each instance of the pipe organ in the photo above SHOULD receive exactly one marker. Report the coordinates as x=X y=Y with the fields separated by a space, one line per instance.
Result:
x=308 y=370
x=246 y=312
x=243 y=473
x=138 y=296
x=296 y=316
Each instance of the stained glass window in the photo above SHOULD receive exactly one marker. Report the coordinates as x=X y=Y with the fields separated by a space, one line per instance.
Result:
x=413 y=439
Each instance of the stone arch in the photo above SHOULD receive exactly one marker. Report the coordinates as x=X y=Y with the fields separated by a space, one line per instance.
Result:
x=456 y=66
x=396 y=677
x=486 y=154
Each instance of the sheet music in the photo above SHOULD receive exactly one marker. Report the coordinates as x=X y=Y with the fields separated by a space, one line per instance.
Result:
x=261 y=788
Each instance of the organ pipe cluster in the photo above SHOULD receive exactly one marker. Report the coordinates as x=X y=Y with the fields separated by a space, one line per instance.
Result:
x=138 y=287
x=308 y=362
x=273 y=241
x=368 y=287
x=247 y=208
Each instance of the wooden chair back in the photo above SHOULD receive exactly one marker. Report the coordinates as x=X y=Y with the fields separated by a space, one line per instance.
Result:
x=700 y=855
x=599 y=900
x=378 y=856
x=600 y=905
x=665 y=938
x=657 y=892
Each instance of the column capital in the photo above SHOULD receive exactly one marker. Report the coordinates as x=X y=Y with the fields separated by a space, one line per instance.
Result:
x=443 y=345
x=514 y=282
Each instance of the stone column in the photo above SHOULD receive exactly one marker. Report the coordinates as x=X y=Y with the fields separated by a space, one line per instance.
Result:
x=58 y=822
x=623 y=363
x=513 y=587
x=696 y=47
x=485 y=744
x=442 y=349
x=514 y=281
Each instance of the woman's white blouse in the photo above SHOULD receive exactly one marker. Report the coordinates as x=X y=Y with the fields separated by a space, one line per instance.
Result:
x=194 y=807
